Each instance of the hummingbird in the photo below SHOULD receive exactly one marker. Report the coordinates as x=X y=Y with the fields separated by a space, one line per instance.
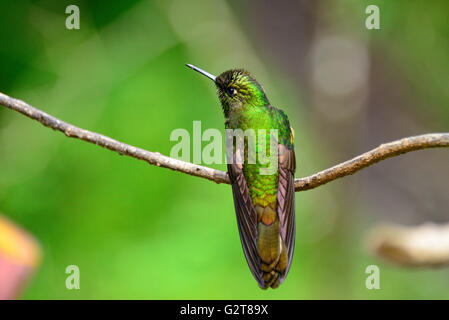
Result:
x=264 y=203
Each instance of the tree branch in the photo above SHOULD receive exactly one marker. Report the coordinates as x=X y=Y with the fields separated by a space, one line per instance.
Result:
x=384 y=151
x=421 y=246
x=153 y=158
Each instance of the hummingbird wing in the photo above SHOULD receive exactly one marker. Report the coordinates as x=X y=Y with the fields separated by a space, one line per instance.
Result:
x=246 y=219
x=247 y=215
x=286 y=200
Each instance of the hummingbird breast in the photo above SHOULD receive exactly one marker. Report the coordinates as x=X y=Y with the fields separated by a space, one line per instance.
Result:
x=263 y=191
x=266 y=226
x=270 y=246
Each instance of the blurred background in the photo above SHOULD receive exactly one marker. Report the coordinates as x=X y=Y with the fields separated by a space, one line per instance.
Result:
x=142 y=232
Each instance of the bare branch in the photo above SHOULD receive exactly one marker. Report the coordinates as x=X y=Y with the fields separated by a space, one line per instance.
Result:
x=153 y=158
x=423 y=246
x=384 y=151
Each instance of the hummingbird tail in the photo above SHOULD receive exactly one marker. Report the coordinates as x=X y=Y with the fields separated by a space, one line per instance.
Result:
x=274 y=277
x=273 y=254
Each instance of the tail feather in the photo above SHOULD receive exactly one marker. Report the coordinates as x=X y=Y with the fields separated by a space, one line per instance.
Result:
x=273 y=253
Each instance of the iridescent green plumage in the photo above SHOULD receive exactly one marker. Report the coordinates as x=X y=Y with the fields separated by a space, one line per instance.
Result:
x=264 y=203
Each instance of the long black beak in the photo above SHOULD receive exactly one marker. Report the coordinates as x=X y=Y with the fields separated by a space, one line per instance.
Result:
x=204 y=73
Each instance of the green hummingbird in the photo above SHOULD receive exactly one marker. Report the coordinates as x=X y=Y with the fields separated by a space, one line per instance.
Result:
x=264 y=203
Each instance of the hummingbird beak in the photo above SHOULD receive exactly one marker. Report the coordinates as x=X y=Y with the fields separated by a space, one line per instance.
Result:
x=204 y=73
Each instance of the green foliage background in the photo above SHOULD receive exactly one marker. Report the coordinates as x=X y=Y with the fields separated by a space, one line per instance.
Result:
x=141 y=232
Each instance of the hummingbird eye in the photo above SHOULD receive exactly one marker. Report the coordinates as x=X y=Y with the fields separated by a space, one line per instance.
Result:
x=232 y=91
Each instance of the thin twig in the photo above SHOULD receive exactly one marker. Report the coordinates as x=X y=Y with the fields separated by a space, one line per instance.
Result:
x=153 y=158
x=384 y=151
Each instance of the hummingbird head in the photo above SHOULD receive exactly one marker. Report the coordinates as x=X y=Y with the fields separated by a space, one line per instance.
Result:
x=236 y=88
